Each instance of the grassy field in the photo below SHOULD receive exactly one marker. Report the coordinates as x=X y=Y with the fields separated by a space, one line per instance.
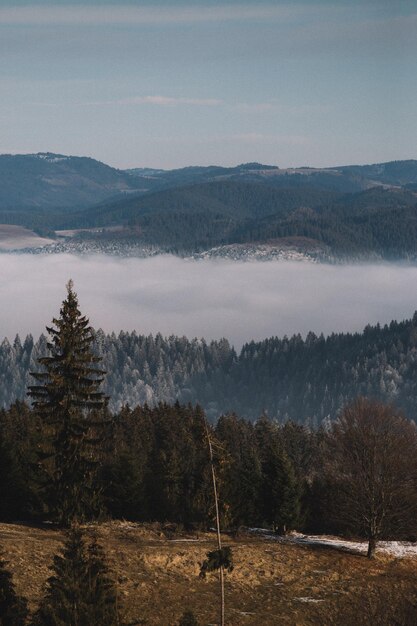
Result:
x=272 y=583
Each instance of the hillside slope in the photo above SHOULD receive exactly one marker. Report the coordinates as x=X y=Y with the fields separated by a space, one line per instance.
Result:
x=378 y=222
x=272 y=583
x=53 y=181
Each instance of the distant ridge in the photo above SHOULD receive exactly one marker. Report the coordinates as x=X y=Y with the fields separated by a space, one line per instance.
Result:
x=346 y=212
x=343 y=179
x=46 y=180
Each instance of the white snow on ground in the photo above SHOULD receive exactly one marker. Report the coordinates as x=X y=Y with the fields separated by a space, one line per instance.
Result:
x=398 y=549
x=49 y=157
x=394 y=548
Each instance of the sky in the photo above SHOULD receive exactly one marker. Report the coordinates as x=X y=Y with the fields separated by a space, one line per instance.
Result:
x=240 y=301
x=177 y=83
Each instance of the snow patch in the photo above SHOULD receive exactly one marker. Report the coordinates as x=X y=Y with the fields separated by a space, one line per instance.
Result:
x=398 y=549
x=51 y=158
x=246 y=613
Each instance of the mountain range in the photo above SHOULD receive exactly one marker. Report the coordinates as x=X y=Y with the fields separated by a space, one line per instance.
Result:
x=349 y=211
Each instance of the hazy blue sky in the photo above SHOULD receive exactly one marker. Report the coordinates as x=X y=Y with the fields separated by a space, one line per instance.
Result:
x=168 y=84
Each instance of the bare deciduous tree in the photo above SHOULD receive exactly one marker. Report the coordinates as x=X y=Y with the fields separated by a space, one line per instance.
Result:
x=220 y=559
x=372 y=459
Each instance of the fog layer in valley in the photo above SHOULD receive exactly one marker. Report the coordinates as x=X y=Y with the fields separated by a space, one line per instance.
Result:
x=211 y=299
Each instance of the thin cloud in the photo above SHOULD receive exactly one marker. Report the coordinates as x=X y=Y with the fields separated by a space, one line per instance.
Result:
x=256 y=107
x=130 y=15
x=285 y=109
x=261 y=138
x=398 y=33
x=160 y=101
x=250 y=138
x=170 y=101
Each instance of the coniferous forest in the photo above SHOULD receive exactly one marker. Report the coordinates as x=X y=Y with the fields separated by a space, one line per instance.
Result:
x=305 y=380
x=71 y=457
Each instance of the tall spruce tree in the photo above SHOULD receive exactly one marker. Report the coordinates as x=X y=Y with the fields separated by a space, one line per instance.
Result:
x=70 y=405
x=13 y=608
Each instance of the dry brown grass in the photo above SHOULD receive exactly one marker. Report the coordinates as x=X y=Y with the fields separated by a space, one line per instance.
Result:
x=272 y=583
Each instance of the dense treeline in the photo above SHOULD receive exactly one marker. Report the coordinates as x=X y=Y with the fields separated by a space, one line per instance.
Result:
x=305 y=380
x=233 y=200
x=154 y=465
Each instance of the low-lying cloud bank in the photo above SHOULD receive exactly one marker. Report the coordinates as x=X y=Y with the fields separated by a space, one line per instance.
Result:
x=211 y=299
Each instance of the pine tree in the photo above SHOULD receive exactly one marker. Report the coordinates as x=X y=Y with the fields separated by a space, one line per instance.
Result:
x=103 y=593
x=280 y=495
x=69 y=403
x=66 y=598
x=285 y=493
x=13 y=608
x=18 y=442
x=80 y=592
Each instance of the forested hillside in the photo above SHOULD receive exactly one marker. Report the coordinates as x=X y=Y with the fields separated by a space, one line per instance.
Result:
x=306 y=380
x=47 y=182
x=376 y=223
x=352 y=212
